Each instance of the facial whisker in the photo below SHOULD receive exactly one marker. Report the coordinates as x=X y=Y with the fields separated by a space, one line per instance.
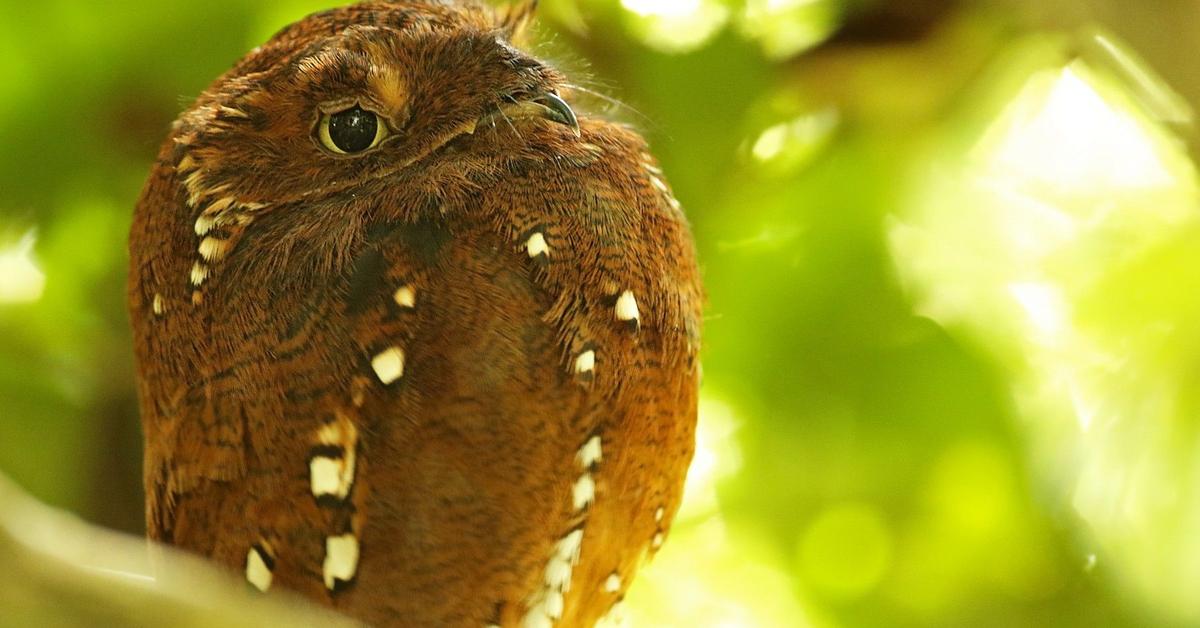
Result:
x=610 y=100
x=508 y=121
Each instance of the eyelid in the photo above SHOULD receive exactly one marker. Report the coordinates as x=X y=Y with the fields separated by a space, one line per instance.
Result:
x=365 y=100
x=342 y=104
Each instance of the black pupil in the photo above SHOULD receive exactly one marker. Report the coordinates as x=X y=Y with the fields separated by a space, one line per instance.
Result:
x=353 y=130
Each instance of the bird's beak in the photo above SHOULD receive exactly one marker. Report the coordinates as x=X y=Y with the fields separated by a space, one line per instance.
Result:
x=548 y=106
x=558 y=110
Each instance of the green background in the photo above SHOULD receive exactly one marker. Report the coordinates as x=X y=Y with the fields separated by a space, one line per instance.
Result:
x=953 y=275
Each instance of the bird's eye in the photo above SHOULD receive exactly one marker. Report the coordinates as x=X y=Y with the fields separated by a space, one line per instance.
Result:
x=351 y=131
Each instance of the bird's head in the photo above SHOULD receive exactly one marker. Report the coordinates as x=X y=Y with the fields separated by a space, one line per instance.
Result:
x=370 y=95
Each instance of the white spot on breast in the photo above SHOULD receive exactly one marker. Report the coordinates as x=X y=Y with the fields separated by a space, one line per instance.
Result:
x=324 y=474
x=212 y=249
x=585 y=362
x=613 y=583
x=220 y=205
x=536 y=245
x=341 y=559
x=590 y=453
x=331 y=476
x=158 y=306
x=331 y=472
x=568 y=547
x=546 y=605
x=583 y=492
x=405 y=296
x=199 y=273
x=204 y=224
x=657 y=541
x=389 y=365
x=658 y=514
x=257 y=571
x=554 y=604
x=558 y=573
x=627 y=307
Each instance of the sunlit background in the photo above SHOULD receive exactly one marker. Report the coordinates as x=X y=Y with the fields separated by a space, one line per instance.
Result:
x=952 y=250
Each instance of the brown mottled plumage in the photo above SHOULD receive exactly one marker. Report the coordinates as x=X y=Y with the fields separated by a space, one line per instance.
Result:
x=412 y=339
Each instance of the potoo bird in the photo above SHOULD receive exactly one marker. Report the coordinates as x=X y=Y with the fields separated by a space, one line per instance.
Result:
x=414 y=339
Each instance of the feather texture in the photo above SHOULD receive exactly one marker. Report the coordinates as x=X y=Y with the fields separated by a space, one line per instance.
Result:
x=448 y=381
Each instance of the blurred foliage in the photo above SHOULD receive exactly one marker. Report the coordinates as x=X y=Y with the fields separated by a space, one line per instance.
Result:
x=60 y=572
x=951 y=255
